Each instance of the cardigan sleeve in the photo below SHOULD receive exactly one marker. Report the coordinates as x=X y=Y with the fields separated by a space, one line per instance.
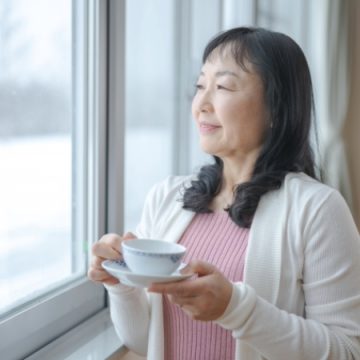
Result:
x=130 y=313
x=330 y=327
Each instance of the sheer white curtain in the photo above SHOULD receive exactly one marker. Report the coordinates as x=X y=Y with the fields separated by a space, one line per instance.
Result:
x=328 y=53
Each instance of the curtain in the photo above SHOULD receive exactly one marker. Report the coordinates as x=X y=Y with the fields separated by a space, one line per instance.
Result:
x=333 y=90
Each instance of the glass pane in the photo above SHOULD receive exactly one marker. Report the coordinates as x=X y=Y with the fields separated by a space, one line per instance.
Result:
x=150 y=99
x=283 y=16
x=202 y=30
x=37 y=250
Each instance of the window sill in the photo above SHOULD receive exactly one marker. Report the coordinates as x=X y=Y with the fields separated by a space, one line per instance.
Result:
x=94 y=339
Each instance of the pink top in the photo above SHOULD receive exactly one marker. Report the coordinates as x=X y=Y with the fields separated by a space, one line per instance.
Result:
x=216 y=239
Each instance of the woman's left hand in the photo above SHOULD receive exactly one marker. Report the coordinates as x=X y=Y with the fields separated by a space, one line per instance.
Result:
x=204 y=298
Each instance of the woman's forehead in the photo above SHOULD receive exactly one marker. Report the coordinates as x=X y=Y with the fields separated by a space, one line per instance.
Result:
x=225 y=61
x=234 y=54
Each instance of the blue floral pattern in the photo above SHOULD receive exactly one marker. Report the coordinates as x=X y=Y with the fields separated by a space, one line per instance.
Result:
x=174 y=258
x=121 y=262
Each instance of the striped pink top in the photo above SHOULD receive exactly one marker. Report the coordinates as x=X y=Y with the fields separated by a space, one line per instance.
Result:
x=214 y=238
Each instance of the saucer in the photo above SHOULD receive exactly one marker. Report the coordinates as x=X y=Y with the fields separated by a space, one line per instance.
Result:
x=120 y=270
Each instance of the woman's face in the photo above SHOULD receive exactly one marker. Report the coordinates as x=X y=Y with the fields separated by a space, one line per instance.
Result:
x=229 y=108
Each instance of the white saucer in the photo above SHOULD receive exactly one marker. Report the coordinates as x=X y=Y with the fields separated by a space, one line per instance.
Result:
x=119 y=270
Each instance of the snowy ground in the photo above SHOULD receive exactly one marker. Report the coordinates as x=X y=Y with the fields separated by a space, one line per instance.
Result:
x=35 y=206
x=35 y=218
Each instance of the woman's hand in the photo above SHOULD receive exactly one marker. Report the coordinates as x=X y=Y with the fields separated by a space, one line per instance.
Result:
x=204 y=298
x=107 y=248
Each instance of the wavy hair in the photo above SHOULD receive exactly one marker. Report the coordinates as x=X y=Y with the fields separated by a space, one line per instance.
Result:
x=288 y=94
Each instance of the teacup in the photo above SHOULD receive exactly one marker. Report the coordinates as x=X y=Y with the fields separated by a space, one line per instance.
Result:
x=154 y=257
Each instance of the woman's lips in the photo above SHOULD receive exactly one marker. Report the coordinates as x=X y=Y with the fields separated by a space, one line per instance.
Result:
x=206 y=128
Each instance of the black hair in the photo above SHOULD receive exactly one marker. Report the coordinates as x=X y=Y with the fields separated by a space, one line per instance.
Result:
x=288 y=95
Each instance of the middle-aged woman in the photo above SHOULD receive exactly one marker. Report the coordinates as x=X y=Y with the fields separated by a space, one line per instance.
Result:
x=276 y=252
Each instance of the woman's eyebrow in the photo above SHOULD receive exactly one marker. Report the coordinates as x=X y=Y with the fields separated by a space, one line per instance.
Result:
x=222 y=73
x=226 y=72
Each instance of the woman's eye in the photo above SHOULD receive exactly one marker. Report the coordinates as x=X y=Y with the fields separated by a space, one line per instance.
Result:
x=221 y=87
x=218 y=87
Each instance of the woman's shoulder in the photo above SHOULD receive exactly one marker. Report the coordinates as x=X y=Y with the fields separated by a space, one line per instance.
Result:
x=174 y=183
x=302 y=199
x=170 y=188
x=304 y=183
x=304 y=189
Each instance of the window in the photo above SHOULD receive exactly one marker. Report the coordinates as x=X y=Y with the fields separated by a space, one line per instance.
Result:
x=52 y=151
x=164 y=41
x=37 y=249
x=150 y=100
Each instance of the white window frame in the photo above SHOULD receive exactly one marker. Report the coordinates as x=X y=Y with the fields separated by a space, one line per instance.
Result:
x=31 y=327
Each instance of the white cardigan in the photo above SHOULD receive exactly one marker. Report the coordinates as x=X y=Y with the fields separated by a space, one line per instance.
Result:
x=300 y=298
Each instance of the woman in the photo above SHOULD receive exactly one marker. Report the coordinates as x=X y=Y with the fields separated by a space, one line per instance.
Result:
x=276 y=252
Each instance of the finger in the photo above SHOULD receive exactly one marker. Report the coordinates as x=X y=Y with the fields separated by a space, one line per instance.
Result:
x=201 y=268
x=182 y=288
x=186 y=270
x=182 y=300
x=106 y=250
x=111 y=281
x=188 y=305
x=108 y=281
x=99 y=275
x=96 y=262
x=129 y=236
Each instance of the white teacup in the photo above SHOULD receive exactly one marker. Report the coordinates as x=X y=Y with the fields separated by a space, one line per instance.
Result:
x=152 y=257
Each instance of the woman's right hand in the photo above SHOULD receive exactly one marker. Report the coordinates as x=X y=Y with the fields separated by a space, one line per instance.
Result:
x=107 y=248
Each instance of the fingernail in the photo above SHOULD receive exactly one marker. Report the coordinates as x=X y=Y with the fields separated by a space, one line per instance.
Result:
x=129 y=235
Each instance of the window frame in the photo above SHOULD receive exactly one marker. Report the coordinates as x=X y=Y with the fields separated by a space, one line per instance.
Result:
x=116 y=116
x=35 y=324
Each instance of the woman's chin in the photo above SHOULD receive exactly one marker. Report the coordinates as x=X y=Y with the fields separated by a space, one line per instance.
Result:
x=208 y=147
x=208 y=150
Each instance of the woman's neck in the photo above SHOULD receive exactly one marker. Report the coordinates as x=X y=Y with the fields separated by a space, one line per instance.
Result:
x=234 y=174
x=237 y=171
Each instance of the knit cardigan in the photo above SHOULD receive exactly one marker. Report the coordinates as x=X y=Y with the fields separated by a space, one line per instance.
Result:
x=300 y=297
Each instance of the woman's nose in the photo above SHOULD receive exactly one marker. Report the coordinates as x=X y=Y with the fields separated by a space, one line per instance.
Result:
x=204 y=103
